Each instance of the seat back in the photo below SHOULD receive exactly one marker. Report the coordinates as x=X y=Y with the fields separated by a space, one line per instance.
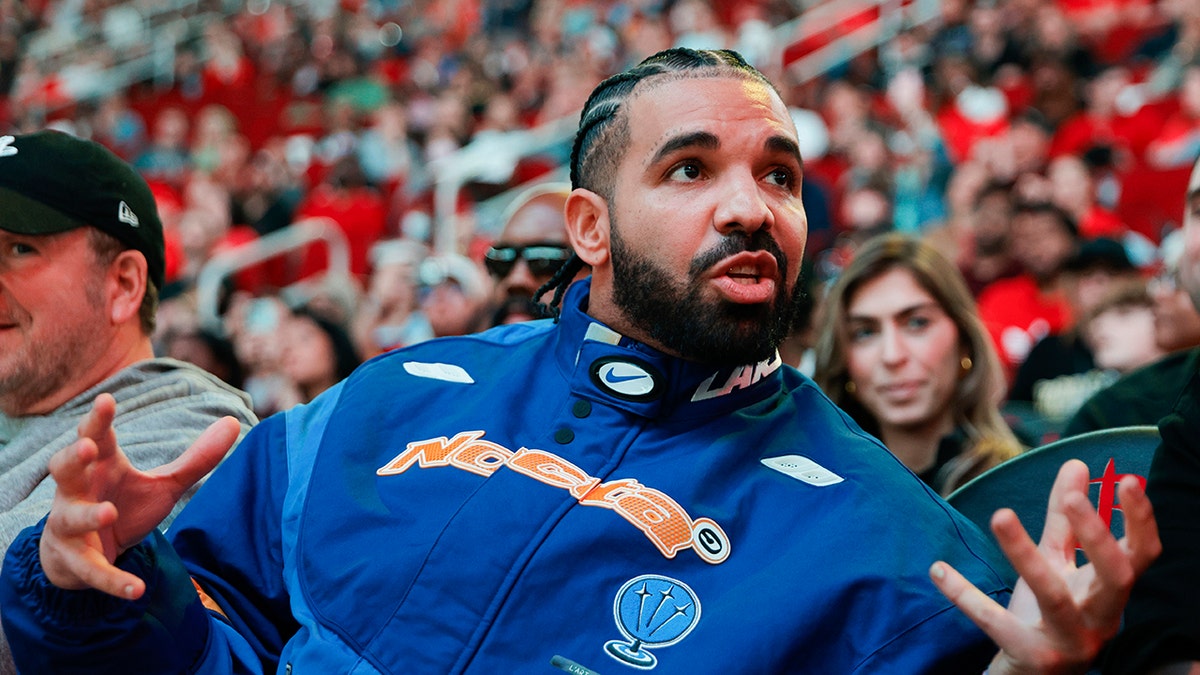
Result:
x=1023 y=483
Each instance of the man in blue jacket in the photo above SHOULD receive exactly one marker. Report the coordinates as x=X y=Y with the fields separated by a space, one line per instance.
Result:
x=638 y=485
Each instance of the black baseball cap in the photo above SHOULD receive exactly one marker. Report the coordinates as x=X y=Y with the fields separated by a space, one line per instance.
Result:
x=52 y=182
x=1100 y=253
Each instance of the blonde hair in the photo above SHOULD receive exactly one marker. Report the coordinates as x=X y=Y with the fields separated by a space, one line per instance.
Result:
x=977 y=396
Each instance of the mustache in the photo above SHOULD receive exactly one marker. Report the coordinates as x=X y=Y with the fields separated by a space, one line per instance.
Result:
x=740 y=242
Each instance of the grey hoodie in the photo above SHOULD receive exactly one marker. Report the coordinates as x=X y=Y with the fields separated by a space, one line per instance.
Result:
x=162 y=406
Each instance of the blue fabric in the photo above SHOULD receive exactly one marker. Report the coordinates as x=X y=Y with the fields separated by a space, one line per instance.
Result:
x=485 y=504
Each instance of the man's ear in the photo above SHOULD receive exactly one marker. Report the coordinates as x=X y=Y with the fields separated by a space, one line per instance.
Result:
x=126 y=285
x=588 y=226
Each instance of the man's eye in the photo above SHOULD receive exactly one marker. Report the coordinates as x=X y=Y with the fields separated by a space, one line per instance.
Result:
x=20 y=248
x=782 y=178
x=686 y=171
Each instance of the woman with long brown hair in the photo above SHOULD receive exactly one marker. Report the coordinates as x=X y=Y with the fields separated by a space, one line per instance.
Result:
x=902 y=350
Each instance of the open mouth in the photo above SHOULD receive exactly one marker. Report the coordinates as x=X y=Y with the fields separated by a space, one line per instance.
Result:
x=747 y=278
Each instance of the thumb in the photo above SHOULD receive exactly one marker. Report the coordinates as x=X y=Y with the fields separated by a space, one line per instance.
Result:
x=203 y=455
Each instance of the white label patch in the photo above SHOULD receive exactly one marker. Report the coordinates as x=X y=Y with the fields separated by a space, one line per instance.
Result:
x=6 y=148
x=438 y=371
x=803 y=469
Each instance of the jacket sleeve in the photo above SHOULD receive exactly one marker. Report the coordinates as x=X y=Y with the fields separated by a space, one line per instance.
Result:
x=228 y=539
x=167 y=630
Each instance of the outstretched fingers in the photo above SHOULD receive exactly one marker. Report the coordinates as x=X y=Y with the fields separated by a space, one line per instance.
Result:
x=202 y=456
x=1141 y=529
x=989 y=615
x=97 y=424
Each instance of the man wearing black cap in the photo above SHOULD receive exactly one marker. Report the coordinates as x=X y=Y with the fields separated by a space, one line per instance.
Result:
x=81 y=259
x=1059 y=373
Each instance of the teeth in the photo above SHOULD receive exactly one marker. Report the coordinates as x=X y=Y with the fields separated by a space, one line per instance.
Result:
x=744 y=274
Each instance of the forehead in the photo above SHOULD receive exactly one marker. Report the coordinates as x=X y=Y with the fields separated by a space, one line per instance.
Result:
x=730 y=106
x=893 y=291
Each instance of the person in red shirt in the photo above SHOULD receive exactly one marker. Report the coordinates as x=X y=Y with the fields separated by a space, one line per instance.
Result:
x=1018 y=311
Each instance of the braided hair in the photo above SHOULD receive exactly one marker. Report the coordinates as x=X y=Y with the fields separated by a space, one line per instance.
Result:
x=603 y=132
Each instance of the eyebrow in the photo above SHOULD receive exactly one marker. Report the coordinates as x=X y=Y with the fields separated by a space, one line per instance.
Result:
x=709 y=141
x=785 y=145
x=701 y=139
x=904 y=312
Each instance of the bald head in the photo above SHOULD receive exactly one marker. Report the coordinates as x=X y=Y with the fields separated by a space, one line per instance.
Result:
x=532 y=246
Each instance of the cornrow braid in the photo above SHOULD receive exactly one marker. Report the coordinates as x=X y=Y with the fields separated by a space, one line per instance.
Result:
x=603 y=128
x=559 y=282
x=603 y=133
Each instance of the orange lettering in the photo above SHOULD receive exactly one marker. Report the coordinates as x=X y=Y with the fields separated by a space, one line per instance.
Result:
x=552 y=470
x=480 y=457
x=659 y=517
x=434 y=452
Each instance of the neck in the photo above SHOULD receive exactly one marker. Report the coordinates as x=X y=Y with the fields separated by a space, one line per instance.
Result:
x=916 y=447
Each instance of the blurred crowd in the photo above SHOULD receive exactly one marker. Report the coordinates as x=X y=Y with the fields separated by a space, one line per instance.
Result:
x=1041 y=146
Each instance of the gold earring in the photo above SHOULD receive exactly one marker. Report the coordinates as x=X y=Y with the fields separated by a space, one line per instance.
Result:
x=850 y=388
x=966 y=364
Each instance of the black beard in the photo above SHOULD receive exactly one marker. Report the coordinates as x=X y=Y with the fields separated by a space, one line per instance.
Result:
x=679 y=319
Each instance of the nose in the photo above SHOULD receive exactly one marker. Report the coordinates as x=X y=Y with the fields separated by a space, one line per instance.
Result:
x=742 y=206
x=520 y=279
x=894 y=351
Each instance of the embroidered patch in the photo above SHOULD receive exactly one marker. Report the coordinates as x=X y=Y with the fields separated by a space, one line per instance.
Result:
x=629 y=379
x=651 y=610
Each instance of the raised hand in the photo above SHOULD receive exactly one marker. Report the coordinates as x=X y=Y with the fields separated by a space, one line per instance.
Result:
x=103 y=505
x=1060 y=614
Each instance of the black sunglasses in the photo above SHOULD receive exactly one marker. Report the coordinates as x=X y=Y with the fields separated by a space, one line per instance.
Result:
x=543 y=259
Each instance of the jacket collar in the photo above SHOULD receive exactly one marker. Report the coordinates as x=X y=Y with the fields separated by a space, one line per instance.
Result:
x=603 y=365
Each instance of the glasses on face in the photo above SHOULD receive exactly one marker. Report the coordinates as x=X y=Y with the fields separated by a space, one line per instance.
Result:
x=543 y=259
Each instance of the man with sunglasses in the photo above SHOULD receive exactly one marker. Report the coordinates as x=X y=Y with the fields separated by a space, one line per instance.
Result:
x=531 y=248
x=639 y=482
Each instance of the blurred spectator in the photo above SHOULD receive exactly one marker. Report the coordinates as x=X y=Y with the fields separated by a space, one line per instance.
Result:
x=1060 y=371
x=316 y=353
x=990 y=258
x=1018 y=311
x=389 y=157
x=346 y=198
x=167 y=158
x=1113 y=118
x=1177 y=142
x=531 y=247
x=902 y=350
x=454 y=294
x=1074 y=191
x=1176 y=320
x=118 y=127
x=253 y=325
x=267 y=191
x=389 y=315
x=1120 y=329
x=1148 y=393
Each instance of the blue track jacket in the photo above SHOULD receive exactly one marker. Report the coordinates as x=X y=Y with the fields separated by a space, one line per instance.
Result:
x=539 y=498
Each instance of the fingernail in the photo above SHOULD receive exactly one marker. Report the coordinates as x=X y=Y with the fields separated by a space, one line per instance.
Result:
x=129 y=591
x=937 y=571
